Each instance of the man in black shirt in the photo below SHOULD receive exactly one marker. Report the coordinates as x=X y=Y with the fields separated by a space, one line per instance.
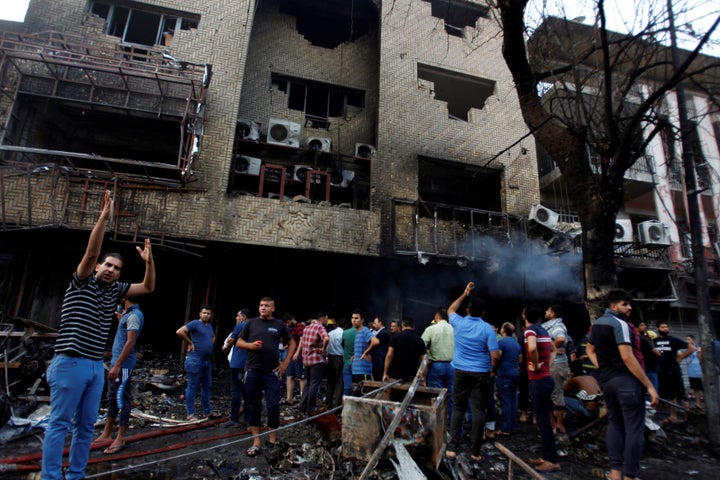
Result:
x=405 y=353
x=263 y=368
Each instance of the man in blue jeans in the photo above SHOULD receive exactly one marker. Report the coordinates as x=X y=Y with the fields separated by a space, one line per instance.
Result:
x=199 y=336
x=622 y=379
x=119 y=389
x=440 y=343
x=76 y=374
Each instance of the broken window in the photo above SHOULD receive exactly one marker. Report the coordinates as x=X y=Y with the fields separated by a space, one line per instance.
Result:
x=320 y=101
x=458 y=14
x=461 y=91
x=138 y=24
x=327 y=24
x=459 y=184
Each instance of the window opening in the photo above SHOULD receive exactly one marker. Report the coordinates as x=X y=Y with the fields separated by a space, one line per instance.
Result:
x=461 y=91
x=319 y=101
x=459 y=184
x=136 y=24
x=457 y=14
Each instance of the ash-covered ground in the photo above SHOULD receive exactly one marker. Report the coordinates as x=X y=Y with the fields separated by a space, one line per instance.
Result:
x=308 y=449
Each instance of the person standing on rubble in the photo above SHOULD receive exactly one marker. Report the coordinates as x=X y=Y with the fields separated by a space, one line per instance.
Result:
x=238 y=357
x=263 y=369
x=622 y=379
x=199 y=335
x=76 y=375
x=560 y=368
x=314 y=344
x=540 y=352
x=405 y=354
x=365 y=342
x=379 y=353
x=119 y=390
x=475 y=355
x=335 y=365
x=440 y=343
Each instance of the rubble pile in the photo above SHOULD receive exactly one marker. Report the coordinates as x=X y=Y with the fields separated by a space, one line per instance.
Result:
x=161 y=444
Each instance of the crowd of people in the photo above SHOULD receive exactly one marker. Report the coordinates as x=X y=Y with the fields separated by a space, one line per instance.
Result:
x=618 y=362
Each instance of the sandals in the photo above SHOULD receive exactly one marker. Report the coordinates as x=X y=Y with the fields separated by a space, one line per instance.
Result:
x=450 y=455
x=253 y=451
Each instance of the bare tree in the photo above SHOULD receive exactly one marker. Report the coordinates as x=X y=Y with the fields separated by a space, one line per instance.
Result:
x=586 y=92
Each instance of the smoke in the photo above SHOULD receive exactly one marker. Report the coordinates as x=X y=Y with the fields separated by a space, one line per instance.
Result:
x=527 y=269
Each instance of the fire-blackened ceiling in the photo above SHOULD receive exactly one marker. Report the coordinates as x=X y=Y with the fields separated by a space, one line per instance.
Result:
x=328 y=23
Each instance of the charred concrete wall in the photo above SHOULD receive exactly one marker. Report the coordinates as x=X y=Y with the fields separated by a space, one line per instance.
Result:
x=412 y=121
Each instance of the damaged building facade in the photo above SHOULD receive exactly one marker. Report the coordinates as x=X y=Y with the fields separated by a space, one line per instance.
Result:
x=330 y=154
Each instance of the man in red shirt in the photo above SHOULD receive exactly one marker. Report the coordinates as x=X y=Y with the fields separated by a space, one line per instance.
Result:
x=540 y=351
x=314 y=342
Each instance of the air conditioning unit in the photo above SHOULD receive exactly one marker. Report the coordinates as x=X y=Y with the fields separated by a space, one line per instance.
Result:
x=248 y=130
x=341 y=178
x=283 y=132
x=544 y=216
x=363 y=150
x=653 y=232
x=247 y=165
x=300 y=173
x=623 y=230
x=319 y=144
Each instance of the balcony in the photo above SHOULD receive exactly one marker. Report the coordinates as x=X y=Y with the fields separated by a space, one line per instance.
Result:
x=450 y=233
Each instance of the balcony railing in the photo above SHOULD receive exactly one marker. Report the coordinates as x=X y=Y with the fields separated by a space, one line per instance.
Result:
x=451 y=232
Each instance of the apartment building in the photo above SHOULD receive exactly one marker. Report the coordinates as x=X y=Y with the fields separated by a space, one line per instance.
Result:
x=652 y=240
x=330 y=154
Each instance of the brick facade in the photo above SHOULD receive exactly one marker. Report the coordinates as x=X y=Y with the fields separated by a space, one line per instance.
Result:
x=246 y=43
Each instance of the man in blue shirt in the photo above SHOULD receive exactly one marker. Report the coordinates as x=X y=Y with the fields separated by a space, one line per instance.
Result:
x=237 y=358
x=119 y=389
x=365 y=341
x=199 y=336
x=475 y=355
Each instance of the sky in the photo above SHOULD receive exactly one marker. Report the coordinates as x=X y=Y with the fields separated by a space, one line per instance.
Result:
x=13 y=9
x=622 y=15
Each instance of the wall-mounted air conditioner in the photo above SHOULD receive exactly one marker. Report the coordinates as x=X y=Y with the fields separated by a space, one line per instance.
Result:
x=544 y=216
x=653 y=232
x=319 y=144
x=341 y=178
x=623 y=230
x=247 y=165
x=248 y=130
x=283 y=132
x=363 y=150
x=300 y=172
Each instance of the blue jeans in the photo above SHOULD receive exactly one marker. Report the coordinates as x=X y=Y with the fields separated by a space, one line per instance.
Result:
x=541 y=394
x=258 y=383
x=76 y=386
x=577 y=407
x=347 y=378
x=237 y=390
x=441 y=375
x=625 y=402
x=199 y=372
x=508 y=392
x=119 y=396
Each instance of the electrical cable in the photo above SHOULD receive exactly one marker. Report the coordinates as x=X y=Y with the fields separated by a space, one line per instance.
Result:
x=261 y=434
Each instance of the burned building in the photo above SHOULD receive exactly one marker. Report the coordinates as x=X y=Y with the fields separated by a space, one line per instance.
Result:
x=330 y=154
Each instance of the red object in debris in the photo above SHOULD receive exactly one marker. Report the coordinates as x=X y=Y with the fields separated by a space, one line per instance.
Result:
x=329 y=427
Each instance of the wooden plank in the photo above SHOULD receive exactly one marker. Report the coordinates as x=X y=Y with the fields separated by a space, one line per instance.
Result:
x=514 y=458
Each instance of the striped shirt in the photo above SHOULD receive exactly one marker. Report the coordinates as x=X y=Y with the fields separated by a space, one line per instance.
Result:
x=86 y=315
x=543 y=343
